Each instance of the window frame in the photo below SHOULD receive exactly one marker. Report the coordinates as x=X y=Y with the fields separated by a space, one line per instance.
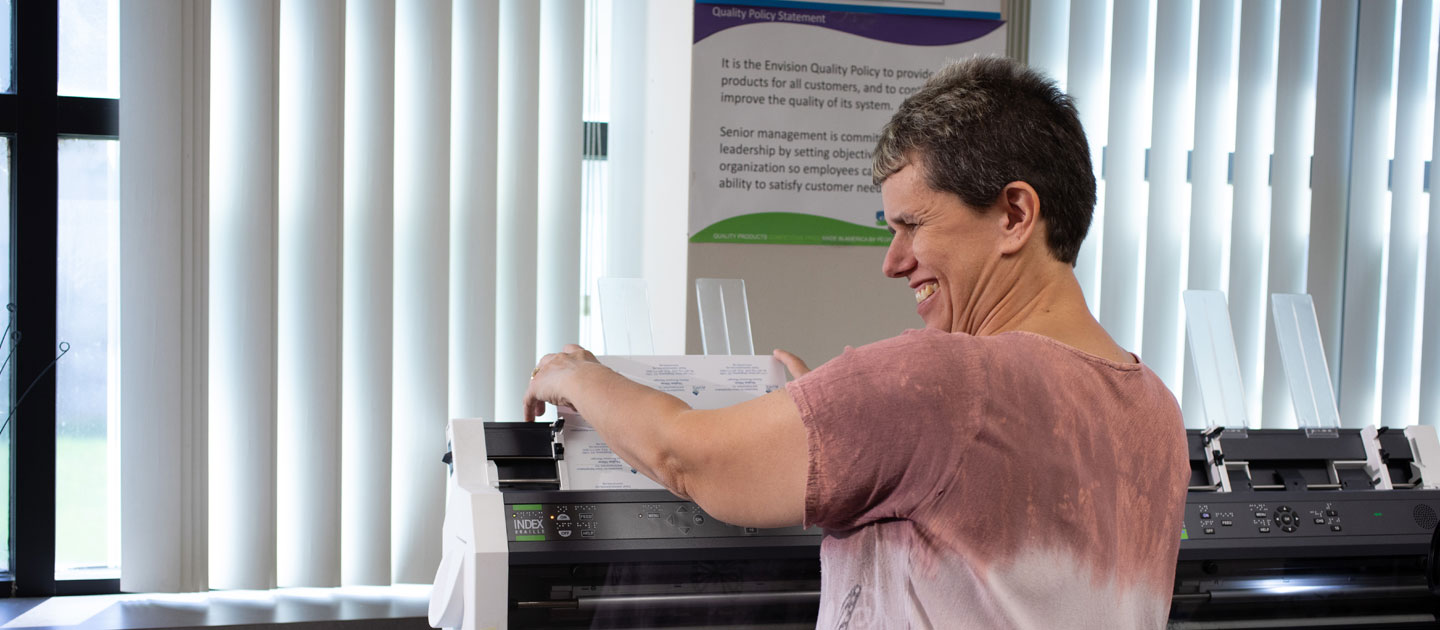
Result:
x=36 y=118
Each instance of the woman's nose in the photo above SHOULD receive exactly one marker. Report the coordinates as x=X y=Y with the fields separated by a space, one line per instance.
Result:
x=898 y=261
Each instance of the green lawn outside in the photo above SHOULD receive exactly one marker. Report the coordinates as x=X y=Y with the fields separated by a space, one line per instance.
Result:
x=81 y=522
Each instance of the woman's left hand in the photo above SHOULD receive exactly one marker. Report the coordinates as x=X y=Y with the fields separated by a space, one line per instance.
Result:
x=548 y=380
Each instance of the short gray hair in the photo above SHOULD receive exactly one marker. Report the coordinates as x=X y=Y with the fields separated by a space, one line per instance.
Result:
x=985 y=122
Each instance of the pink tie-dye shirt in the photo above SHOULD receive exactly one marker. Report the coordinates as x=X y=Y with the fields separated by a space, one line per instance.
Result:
x=1008 y=481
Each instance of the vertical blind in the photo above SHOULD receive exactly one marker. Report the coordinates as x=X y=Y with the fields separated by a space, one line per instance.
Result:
x=243 y=158
x=164 y=242
x=475 y=56
x=1286 y=148
x=1368 y=205
x=308 y=291
x=518 y=174
x=1290 y=182
x=1165 y=242
x=561 y=132
x=373 y=270
x=422 y=210
x=367 y=330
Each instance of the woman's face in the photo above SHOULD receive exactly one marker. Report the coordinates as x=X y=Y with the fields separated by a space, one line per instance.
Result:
x=941 y=246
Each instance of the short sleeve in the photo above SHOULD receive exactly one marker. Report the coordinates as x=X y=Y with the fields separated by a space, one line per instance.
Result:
x=886 y=425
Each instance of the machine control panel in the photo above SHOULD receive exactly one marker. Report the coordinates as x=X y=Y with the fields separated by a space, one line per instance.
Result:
x=1222 y=519
x=535 y=522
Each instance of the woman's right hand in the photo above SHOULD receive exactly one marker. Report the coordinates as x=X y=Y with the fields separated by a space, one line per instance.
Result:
x=795 y=364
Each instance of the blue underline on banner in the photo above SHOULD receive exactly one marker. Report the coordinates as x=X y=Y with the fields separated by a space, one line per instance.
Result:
x=858 y=8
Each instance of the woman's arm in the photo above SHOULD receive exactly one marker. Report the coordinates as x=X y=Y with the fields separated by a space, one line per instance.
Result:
x=745 y=464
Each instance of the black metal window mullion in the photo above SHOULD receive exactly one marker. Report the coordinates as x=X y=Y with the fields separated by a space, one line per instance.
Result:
x=82 y=116
x=33 y=232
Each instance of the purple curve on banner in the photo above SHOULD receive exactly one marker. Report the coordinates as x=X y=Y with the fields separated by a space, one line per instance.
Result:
x=915 y=30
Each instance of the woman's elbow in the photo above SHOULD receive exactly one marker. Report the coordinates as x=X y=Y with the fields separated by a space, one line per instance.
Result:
x=670 y=471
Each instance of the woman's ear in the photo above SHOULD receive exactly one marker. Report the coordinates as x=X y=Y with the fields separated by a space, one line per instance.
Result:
x=1020 y=206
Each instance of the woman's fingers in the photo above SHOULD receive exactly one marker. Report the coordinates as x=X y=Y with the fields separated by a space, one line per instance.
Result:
x=794 y=364
x=544 y=379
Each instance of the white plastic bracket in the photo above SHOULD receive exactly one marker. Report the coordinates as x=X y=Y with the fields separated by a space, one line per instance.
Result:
x=472 y=584
x=1425 y=448
x=1297 y=333
x=1217 y=368
x=1215 y=466
x=1374 y=464
x=724 y=316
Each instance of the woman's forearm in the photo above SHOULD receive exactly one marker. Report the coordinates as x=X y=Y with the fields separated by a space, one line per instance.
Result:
x=744 y=464
x=637 y=422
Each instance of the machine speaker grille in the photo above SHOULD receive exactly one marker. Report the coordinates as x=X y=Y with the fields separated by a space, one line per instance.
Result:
x=1425 y=516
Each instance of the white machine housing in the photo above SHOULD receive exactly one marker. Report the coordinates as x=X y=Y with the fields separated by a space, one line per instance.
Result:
x=471 y=586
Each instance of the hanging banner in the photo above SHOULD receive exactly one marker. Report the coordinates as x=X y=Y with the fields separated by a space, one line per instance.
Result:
x=788 y=99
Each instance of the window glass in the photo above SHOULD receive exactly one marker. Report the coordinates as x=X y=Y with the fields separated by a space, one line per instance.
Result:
x=88 y=60
x=86 y=318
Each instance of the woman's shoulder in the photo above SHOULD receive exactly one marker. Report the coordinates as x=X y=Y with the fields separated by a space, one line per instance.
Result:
x=919 y=347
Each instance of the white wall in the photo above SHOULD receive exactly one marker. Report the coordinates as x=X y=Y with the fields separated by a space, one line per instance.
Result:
x=812 y=300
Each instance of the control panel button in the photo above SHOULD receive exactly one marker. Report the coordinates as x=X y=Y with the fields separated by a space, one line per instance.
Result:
x=1259 y=515
x=1264 y=530
x=589 y=533
x=671 y=520
x=1319 y=521
x=699 y=520
x=1283 y=508
x=1334 y=528
x=1226 y=523
x=1286 y=519
x=1209 y=530
x=1205 y=515
x=587 y=516
x=1288 y=528
x=652 y=515
x=684 y=529
x=1331 y=513
x=562 y=517
x=564 y=533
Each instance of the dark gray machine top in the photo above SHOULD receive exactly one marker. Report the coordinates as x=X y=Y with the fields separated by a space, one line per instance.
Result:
x=1286 y=507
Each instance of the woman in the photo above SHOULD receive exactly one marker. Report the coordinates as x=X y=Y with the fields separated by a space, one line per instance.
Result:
x=1008 y=466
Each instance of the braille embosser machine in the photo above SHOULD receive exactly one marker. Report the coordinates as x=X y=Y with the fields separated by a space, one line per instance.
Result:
x=1301 y=537
x=1313 y=527
x=1318 y=526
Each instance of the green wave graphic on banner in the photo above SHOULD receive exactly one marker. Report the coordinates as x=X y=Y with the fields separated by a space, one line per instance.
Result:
x=791 y=228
